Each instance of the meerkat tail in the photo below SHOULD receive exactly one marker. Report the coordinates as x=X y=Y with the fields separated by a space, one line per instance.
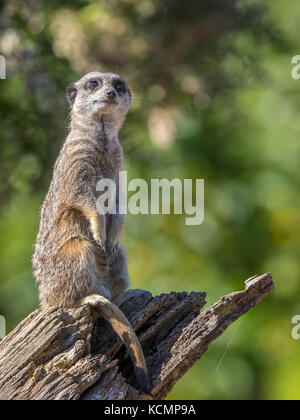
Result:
x=124 y=330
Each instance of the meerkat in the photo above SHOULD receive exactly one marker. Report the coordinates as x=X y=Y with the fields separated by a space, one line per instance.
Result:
x=78 y=257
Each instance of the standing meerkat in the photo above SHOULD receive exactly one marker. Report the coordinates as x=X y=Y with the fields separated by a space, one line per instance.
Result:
x=78 y=257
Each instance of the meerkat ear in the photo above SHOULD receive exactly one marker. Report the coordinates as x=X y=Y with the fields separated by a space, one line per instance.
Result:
x=71 y=94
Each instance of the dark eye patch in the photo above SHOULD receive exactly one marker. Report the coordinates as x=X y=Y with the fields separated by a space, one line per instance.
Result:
x=120 y=86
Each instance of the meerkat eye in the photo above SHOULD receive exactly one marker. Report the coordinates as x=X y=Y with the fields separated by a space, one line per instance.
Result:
x=93 y=84
x=119 y=86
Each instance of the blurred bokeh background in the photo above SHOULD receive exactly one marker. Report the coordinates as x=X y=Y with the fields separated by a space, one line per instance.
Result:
x=213 y=98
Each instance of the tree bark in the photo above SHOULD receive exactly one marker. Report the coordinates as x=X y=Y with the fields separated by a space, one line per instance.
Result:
x=60 y=354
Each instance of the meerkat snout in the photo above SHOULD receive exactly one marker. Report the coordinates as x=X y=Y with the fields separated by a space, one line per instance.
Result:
x=110 y=94
x=100 y=93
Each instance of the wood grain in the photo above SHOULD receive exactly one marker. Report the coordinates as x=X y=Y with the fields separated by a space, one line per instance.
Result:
x=59 y=354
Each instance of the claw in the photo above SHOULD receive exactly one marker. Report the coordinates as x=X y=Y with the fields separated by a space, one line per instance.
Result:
x=101 y=242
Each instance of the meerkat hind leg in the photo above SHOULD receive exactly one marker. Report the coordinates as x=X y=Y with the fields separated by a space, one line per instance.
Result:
x=124 y=330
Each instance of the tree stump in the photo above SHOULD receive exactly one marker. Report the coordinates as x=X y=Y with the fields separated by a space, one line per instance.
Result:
x=60 y=354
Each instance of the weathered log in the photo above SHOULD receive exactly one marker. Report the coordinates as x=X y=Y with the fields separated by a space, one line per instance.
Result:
x=67 y=354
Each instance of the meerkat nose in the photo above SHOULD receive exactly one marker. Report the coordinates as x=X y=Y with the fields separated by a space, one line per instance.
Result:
x=110 y=93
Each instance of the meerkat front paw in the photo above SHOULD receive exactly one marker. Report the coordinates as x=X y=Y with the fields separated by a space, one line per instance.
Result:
x=100 y=240
x=98 y=229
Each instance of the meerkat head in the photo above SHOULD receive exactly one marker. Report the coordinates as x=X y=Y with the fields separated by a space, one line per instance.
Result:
x=98 y=94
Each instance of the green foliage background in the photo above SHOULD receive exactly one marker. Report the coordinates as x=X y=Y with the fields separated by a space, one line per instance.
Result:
x=213 y=98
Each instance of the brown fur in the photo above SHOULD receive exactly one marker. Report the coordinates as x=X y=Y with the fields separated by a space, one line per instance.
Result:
x=78 y=258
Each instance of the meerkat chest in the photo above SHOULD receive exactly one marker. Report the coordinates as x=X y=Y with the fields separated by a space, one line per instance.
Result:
x=108 y=165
